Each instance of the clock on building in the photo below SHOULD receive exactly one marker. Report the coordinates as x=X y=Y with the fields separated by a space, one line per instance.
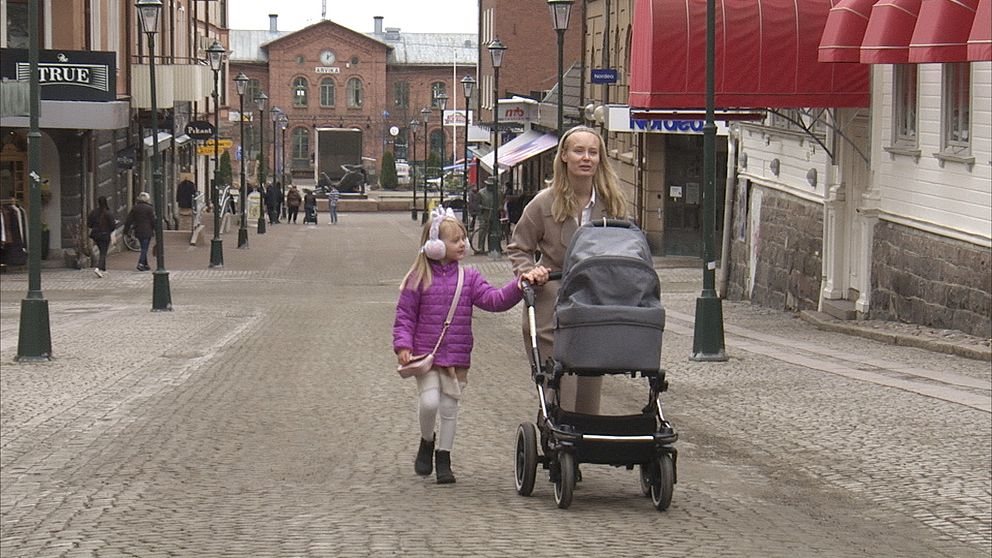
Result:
x=327 y=58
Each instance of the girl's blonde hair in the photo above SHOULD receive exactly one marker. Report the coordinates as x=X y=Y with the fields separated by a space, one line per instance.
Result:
x=420 y=277
x=605 y=182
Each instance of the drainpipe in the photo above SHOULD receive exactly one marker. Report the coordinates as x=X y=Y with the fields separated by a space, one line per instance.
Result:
x=728 y=208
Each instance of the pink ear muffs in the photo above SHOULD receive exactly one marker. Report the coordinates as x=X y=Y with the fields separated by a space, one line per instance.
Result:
x=434 y=248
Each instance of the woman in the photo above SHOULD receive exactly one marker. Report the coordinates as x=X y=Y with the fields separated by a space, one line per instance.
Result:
x=584 y=187
x=102 y=223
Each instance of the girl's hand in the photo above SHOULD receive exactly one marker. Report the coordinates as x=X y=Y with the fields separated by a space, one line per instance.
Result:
x=403 y=357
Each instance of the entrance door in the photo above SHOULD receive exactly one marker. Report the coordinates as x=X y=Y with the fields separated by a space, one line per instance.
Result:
x=855 y=173
x=683 y=196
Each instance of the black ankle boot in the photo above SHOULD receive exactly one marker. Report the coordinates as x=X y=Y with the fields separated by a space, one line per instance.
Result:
x=423 y=465
x=444 y=474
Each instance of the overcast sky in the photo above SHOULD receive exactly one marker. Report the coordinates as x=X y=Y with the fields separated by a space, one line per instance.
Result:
x=414 y=16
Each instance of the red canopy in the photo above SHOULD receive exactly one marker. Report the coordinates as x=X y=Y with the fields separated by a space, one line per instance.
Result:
x=889 y=32
x=845 y=30
x=766 y=56
x=980 y=39
x=941 y=33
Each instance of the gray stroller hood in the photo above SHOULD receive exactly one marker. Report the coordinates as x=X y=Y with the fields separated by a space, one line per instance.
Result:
x=609 y=317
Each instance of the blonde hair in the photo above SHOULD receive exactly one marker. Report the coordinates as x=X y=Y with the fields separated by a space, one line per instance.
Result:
x=605 y=182
x=420 y=277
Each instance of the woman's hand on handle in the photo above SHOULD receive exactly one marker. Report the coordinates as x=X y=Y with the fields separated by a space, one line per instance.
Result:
x=403 y=356
x=537 y=276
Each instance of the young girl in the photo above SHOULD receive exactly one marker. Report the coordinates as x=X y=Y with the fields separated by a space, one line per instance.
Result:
x=425 y=298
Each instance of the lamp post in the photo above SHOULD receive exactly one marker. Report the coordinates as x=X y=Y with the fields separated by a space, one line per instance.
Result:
x=468 y=86
x=283 y=124
x=241 y=82
x=34 y=338
x=274 y=114
x=215 y=54
x=261 y=100
x=414 y=126
x=560 y=12
x=496 y=50
x=425 y=115
x=442 y=103
x=707 y=339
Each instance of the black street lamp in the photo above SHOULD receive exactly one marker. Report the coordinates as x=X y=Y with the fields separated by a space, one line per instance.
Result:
x=468 y=86
x=425 y=115
x=261 y=100
x=274 y=114
x=560 y=12
x=149 y=11
x=241 y=82
x=442 y=102
x=215 y=54
x=34 y=338
x=496 y=50
x=414 y=126
x=283 y=124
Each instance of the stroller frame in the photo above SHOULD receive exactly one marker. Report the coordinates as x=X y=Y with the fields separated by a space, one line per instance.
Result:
x=568 y=439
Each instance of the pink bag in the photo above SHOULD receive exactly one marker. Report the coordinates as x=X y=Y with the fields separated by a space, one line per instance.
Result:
x=420 y=365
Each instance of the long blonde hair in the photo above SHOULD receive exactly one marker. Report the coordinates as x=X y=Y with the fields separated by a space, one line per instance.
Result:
x=420 y=277
x=605 y=182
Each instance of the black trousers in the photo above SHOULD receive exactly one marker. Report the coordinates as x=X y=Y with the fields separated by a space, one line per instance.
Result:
x=293 y=211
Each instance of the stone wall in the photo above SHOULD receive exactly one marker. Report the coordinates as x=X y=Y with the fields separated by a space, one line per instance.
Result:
x=921 y=278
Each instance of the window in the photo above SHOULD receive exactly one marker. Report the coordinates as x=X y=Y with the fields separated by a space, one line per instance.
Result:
x=401 y=94
x=300 y=92
x=356 y=93
x=327 y=92
x=253 y=88
x=437 y=145
x=301 y=148
x=437 y=88
x=17 y=24
x=904 y=103
x=957 y=108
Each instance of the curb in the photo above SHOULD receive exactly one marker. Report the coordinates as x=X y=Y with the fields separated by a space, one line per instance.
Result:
x=828 y=323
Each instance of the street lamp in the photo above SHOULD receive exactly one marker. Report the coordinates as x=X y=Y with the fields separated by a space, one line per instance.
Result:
x=215 y=54
x=414 y=126
x=149 y=11
x=707 y=339
x=241 y=82
x=34 y=339
x=442 y=103
x=425 y=115
x=496 y=50
x=274 y=114
x=261 y=100
x=283 y=124
x=468 y=86
x=560 y=11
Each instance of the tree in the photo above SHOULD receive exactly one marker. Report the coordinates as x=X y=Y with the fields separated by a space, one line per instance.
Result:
x=226 y=173
x=387 y=177
x=433 y=165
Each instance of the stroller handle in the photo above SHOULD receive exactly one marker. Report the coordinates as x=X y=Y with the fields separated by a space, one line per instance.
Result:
x=604 y=222
x=528 y=288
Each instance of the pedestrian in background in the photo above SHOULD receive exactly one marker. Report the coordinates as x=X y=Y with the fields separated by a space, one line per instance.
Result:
x=102 y=222
x=473 y=206
x=426 y=295
x=584 y=187
x=332 y=204
x=272 y=203
x=141 y=220
x=293 y=200
x=310 y=207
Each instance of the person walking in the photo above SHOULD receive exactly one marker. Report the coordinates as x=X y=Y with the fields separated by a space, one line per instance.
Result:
x=293 y=200
x=141 y=220
x=102 y=222
x=310 y=207
x=272 y=203
x=473 y=206
x=332 y=204
x=584 y=187
x=426 y=295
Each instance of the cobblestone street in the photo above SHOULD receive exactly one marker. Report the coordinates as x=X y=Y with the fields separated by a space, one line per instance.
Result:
x=263 y=417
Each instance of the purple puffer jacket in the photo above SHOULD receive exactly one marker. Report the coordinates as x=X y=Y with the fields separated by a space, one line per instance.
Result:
x=420 y=314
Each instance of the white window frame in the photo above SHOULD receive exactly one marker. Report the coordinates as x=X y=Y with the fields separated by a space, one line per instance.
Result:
x=905 y=105
x=356 y=92
x=956 y=109
x=328 y=92
x=300 y=83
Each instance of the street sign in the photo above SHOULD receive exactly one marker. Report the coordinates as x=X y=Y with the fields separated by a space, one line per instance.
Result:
x=200 y=130
x=222 y=143
x=604 y=75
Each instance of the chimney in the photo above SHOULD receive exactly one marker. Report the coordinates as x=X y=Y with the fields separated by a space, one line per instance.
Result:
x=273 y=23
x=378 y=25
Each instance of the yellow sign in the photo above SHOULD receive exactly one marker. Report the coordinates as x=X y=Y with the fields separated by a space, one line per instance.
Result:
x=223 y=143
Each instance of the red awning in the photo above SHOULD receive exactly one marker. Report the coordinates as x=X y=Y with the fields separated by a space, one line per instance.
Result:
x=980 y=39
x=941 y=33
x=845 y=30
x=766 y=56
x=889 y=31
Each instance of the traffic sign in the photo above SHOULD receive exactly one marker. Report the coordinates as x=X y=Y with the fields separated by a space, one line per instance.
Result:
x=222 y=143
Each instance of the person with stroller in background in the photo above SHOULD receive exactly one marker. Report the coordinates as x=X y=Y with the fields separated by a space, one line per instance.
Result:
x=310 y=207
x=584 y=187
x=102 y=222
x=426 y=296
x=141 y=219
x=293 y=200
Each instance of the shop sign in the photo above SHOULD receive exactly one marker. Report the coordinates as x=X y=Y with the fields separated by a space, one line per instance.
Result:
x=65 y=75
x=200 y=130
x=618 y=119
x=125 y=159
x=456 y=117
x=516 y=111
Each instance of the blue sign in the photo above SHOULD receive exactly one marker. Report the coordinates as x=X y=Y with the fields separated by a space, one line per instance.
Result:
x=604 y=75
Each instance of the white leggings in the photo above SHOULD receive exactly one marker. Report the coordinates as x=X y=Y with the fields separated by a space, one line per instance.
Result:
x=436 y=406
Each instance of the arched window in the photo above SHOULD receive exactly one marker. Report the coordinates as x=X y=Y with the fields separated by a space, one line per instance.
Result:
x=437 y=145
x=356 y=93
x=327 y=92
x=300 y=92
x=301 y=148
x=437 y=88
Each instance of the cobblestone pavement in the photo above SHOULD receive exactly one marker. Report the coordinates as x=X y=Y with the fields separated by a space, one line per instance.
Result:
x=262 y=418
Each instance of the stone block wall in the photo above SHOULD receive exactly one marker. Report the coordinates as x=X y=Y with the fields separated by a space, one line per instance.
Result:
x=926 y=279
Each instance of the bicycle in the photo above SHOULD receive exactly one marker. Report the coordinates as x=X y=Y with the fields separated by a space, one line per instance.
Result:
x=478 y=237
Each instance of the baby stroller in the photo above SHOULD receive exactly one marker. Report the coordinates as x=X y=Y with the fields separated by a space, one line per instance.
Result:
x=608 y=320
x=310 y=214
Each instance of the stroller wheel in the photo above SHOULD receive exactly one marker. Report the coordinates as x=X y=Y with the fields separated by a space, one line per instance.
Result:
x=645 y=478
x=565 y=485
x=664 y=480
x=525 y=468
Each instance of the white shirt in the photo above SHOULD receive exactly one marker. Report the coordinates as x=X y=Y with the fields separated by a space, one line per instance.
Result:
x=587 y=210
